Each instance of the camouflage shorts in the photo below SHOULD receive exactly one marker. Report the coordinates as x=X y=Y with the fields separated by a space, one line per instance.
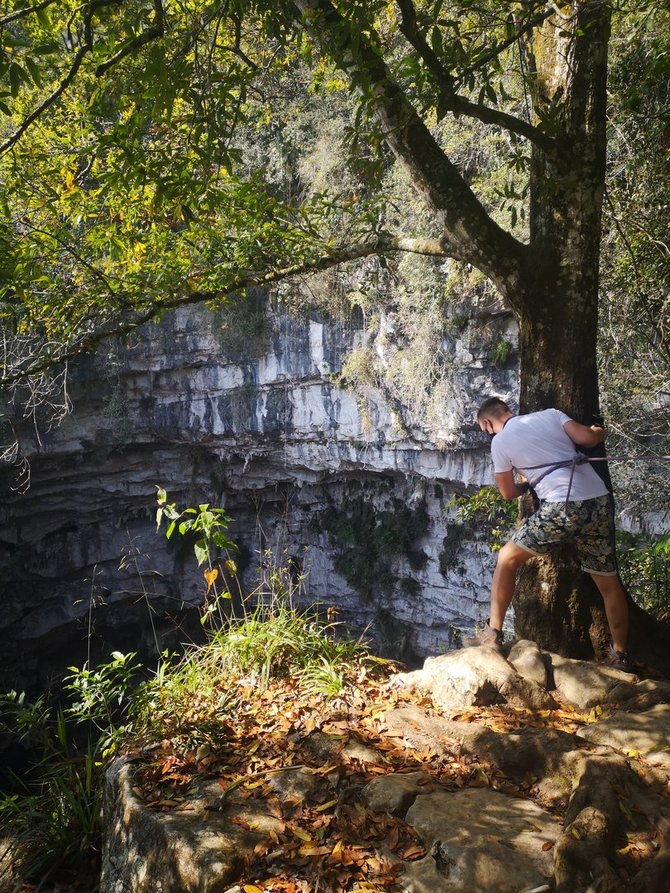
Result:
x=587 y=523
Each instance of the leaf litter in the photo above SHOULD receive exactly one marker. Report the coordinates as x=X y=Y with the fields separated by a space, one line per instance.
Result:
x=332 y=840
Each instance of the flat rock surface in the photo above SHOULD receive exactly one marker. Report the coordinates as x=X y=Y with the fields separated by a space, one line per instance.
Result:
x=483 y=772
x=645 y=733
x=480 y=840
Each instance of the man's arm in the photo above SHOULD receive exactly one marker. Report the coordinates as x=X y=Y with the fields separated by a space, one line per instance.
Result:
x=507 y=487
x=582 y=435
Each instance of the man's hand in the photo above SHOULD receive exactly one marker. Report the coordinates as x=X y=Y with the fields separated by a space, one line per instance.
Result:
x=508 y=487
x=583 y=436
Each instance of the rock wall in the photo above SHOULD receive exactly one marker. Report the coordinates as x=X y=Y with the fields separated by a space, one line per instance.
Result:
x=352 y=485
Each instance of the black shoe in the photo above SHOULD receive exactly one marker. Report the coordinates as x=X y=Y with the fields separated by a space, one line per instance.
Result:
x=618 y=660
x=489 y=636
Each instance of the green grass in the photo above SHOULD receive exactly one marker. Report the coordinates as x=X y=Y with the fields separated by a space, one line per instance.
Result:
x=275 y=642
x=51 y=817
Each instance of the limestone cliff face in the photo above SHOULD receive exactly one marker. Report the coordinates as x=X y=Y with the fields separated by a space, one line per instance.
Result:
x=352 y=485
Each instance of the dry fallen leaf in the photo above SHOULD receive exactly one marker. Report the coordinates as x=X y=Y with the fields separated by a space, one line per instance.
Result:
x=300 y=834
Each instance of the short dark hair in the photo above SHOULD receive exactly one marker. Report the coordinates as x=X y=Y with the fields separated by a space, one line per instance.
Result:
x=493 y=408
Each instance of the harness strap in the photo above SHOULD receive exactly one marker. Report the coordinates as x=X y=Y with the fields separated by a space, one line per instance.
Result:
x=578 y=459
x=582 y=459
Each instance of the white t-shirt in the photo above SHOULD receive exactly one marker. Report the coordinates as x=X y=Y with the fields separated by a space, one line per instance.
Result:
x=539 y=439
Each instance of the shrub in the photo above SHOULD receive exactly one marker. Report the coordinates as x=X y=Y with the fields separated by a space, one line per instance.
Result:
x=644 y=564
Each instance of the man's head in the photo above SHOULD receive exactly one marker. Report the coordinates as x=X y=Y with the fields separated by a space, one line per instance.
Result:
x=492 y=415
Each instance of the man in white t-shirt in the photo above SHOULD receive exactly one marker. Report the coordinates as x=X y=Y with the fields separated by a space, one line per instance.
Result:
x=574 y=507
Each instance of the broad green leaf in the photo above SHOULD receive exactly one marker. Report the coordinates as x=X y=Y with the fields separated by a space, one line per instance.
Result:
x=201 y=552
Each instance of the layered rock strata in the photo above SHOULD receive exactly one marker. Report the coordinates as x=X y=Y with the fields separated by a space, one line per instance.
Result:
x=309 y=471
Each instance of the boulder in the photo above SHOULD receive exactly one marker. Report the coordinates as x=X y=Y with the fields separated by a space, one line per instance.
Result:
x=395 y=793
x=149 y=851
x=586 y=684
x=476 y=677
x=527 y=659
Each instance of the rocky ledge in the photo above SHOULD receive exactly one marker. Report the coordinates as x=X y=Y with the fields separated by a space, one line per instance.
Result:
x=515 y=773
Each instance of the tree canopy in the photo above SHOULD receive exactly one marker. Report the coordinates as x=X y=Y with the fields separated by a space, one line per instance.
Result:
x=129 y=187
x=126 y=190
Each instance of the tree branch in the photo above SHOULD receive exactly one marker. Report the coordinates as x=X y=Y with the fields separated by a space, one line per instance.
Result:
x=22 y=13
x=123 y=325
x=409 y=27
x=449 y=100
x=487 y=115
x=521 y=30
x=473 y=236
x=48 y=102
x=237 y=48
x=85 y=48
x=97 y=274
x=154 y=33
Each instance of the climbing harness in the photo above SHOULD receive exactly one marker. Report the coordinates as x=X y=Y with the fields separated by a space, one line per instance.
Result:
x=582 y=459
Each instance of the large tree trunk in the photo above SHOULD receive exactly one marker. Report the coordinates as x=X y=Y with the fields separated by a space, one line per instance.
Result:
x=556 y=604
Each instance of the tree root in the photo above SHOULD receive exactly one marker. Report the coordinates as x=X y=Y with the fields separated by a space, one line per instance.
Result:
x=581 y=855
x=598 y=817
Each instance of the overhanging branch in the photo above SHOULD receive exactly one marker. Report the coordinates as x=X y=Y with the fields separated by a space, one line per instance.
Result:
x=449 y=100
x=154 y=33
x=53 y=97
x=48 y=102
x=472 y=234
x=121 y=325
x=26 y=11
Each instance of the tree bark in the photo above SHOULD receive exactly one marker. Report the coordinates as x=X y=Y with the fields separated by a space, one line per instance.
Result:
x=556 y=604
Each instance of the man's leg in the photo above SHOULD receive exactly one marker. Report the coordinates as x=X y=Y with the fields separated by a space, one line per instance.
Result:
x=616 y=608
x=510 y=559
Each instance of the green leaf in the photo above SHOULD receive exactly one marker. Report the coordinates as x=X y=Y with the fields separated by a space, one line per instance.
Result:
x=221 y=540
x=43 y=18
x=16 y=76
x=34 y=71
x=201 y=552
x=46 y=49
